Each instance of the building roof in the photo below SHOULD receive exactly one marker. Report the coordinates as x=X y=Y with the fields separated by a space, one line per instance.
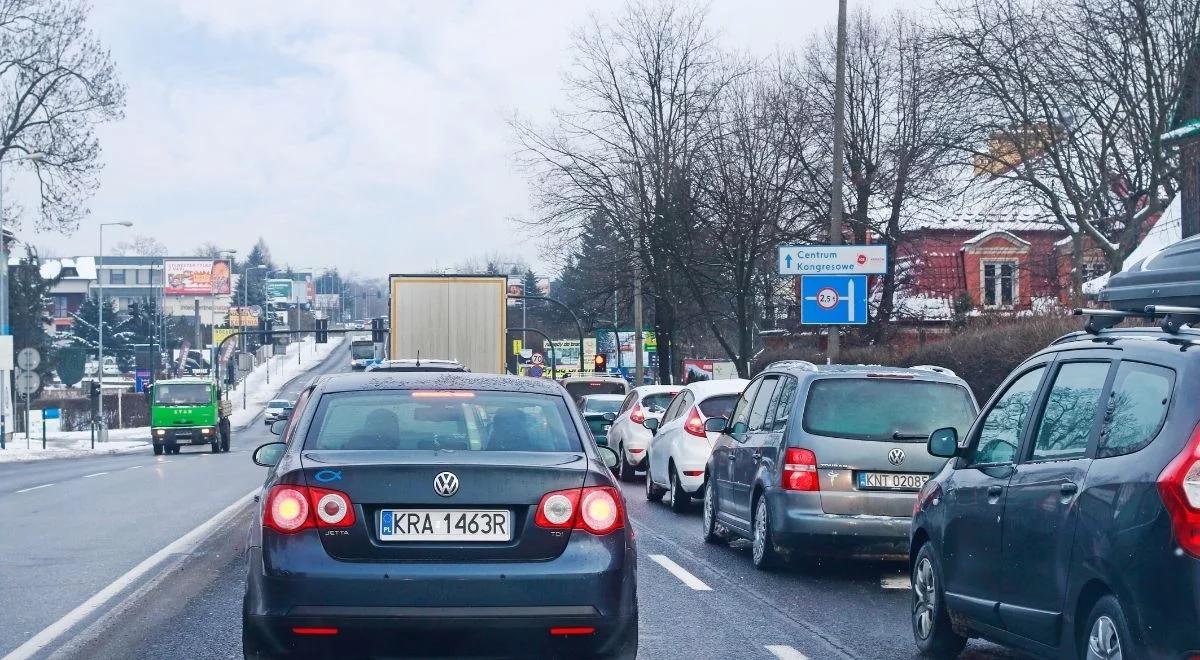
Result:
x=986 y=234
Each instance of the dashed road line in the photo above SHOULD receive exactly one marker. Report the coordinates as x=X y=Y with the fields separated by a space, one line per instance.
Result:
x=786 y=652
x=94 y=474
x=134 y=467
x=896 y=582
x=681 y=573
x=26 y=490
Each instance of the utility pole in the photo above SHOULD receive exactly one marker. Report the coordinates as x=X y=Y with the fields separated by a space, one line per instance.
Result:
x=637 y=323
x=100 y=325
x=839 y=137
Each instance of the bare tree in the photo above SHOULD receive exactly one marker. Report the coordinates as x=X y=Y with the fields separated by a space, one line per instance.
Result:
x=56 y=83
x=641 y=88
x=208 y=250
x=142 y=246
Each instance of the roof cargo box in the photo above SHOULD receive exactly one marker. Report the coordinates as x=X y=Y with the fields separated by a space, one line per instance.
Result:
x=1168 y=277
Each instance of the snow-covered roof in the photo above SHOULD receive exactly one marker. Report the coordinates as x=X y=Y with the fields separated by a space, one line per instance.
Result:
x=981 y=203
x=919 y=307
x=1166 y=231
x=984 y=235
x=85 y=267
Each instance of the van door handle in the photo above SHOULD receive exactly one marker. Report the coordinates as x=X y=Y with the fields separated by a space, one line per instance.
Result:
x=1068 y=488
x=732 y=455
x=995 y=491
x=757 y=456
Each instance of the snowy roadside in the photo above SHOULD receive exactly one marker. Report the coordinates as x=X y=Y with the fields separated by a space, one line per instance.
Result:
x=260 y=386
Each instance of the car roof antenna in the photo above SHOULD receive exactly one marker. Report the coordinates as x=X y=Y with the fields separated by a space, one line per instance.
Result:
x=418 y=357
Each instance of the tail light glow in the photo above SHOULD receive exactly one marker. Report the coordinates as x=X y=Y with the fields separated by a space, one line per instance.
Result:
x=333 y=508
x=800 y=470
x=638 y=414
x=1179 y=487
x=596 y=509
x=695 y=424
x=290 y=508
x=567 y=631
x=311 y=630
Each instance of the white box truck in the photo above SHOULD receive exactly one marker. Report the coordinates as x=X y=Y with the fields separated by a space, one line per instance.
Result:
x=459 y=317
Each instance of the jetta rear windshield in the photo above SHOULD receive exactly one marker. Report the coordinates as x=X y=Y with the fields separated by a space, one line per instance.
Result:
x=182 y=394
x=453 y=419
x=584 y=387
x=886 y=409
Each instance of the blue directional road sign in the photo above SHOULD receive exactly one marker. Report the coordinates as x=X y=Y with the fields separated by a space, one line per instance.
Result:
x=833 y=300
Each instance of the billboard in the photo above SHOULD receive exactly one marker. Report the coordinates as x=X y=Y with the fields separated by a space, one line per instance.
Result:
x=196 y=277
x=279 y=291
x=243 y=317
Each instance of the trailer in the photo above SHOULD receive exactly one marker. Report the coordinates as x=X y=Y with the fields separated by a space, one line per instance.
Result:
x=455 y=317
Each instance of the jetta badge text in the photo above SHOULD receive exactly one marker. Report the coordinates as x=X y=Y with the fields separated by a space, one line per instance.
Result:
x=445 y=484
x=896 y=456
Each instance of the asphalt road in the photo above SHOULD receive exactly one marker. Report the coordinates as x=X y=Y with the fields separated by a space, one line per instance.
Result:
x=73 y=526
x=709 y=603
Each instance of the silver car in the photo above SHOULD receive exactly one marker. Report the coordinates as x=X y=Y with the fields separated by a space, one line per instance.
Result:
x=828 y=459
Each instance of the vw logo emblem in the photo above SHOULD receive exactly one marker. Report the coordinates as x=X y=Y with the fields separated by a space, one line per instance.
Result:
x=895 y=456
x=445 y=484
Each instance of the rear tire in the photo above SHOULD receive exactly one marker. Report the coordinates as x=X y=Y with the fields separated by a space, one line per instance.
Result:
x=681 y=501
x=712 y=533
x=158 y=449
x=763 y=553
x=932 y=630
x=216 y=446
x=625 y=471
x=653 y=492
x=1107 y=633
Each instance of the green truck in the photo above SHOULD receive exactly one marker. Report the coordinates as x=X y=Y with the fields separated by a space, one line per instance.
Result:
x=188 y=411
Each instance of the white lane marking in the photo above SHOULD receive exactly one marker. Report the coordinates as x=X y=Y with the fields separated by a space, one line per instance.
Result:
x=134 y=467
x=26 y=490
x=898 y=582
x=681 y=573
x=786 y=653
x=94 y=474
x=181 y=545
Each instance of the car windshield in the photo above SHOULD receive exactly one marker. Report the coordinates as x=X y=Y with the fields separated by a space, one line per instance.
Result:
x=598 y=405
x=182 y=394
x=658 y=401
x=456 y=419
x=277 y=404
x=584 y=387
x=886 y=409
x=362 y=351
x=718 y=406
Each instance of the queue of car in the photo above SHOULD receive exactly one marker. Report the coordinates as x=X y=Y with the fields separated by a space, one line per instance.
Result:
x=1063 y=519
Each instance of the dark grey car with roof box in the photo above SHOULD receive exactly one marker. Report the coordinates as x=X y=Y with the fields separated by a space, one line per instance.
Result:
x=439 y=515
x=828 y=459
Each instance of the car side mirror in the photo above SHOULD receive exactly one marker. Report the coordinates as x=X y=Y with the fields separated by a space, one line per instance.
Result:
x=610 y=417
x=651 y=423
x=715 y=424
x=268 y=455
x=609 y=456
x=278 y=426
x=943 y=443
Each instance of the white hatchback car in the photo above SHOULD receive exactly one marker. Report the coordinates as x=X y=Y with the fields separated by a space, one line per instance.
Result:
x=628 y=436
x=680 y=447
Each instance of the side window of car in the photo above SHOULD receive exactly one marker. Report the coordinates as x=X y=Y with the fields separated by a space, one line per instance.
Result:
x=1070 y=413
x=1136 y=408
x=759 y=420
x=628 y=402
x=677 y=404
x=289 y=429
x=785 y=399
x=739 y=421
x=1000 y=432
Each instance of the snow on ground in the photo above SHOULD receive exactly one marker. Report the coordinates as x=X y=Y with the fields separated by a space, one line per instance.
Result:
x=76 y=444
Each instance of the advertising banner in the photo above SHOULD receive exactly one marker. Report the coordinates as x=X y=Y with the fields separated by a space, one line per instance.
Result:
x=191 y=277
x=516 y=287
x=694 y=370
x=219 y=334
x=279 y=291
x=566 y=353
x=243 y=317
x=222 y=280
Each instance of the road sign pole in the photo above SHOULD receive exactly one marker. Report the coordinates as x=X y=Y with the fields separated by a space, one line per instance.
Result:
x=833 y=352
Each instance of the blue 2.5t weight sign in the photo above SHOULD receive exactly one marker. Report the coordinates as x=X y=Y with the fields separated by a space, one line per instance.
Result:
x=833 y=300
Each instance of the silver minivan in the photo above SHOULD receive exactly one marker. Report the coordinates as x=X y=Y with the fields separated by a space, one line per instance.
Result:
x=827 y=460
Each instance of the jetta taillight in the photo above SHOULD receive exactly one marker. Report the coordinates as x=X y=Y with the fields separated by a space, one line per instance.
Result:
x=290 y=508
x=595 y=509
x=1179 y=487
x=638 y=414
x=800 y=470
x=694 y=424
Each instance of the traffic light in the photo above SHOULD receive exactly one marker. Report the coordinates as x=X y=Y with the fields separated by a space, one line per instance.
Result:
x=378 y=330
x=600 y=364
x=322 y=331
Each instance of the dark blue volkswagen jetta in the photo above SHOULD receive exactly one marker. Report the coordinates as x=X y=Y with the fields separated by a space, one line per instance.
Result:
x=454 y=515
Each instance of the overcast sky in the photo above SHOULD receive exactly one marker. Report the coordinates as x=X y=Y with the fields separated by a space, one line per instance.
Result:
x=374 y=140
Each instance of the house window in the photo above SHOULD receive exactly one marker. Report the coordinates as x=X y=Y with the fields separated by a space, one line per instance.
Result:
x=141 y=276
x=999 y=283
x=1093 y=269
x=61 y=307
x=116 y=276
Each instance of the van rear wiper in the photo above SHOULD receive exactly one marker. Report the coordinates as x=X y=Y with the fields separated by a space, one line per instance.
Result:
x=908 y=436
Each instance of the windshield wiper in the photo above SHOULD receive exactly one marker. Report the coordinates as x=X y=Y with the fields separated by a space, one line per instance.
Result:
x=908 y=436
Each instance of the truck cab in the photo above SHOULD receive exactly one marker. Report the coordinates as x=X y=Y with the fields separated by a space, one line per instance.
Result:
x=187 y=411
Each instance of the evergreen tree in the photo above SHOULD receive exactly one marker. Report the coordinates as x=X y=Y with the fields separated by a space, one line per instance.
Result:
x=84 y=333
x=28 y=300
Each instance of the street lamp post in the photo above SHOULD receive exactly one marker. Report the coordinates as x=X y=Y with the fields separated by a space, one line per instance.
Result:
x=5 y=326
x=100 y=325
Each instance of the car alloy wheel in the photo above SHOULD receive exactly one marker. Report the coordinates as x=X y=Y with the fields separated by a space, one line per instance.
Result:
x=1104 y=640
x=653 y=492
x=924 y=586
x=763 y=550
x=680 y=500
x=711 y=535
